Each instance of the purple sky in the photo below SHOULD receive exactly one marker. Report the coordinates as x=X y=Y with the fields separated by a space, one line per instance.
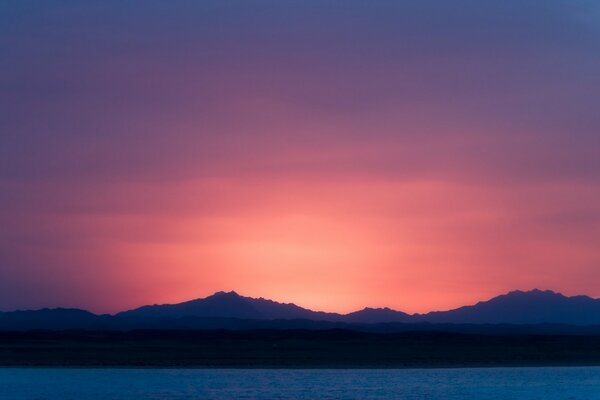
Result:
x=338 y=154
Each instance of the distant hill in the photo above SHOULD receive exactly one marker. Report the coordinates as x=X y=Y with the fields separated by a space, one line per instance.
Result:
x=518 y=307
x=230 y=305
x=522 y=311
x=55 y=318
x=377 y=315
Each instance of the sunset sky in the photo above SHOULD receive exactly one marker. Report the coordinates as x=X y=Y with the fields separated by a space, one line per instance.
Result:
x=419 y=155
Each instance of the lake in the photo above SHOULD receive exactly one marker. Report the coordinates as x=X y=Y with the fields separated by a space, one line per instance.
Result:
x=405 y=384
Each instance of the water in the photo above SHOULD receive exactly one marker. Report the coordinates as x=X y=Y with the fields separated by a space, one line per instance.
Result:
x=407 y=384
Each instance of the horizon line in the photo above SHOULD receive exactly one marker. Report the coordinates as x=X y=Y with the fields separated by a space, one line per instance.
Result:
x=309 y=309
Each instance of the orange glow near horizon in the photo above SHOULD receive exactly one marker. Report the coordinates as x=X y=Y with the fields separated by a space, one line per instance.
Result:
x=415 y=247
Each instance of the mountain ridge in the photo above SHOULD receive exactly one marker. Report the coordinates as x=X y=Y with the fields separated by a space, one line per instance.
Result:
x=517 y=307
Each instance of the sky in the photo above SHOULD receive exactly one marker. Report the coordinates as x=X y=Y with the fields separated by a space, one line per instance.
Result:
x=420 y=155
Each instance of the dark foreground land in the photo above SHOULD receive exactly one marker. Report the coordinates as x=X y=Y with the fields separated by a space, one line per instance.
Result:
x=292 y=348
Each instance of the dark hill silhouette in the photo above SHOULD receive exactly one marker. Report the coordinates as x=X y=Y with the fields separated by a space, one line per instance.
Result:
x=230 y=305
x=377 y=315
x=518 y=307
x=55 y=318
x=546 y=310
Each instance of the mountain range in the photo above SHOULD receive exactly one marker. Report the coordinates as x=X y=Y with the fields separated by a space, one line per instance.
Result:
x=525 y=311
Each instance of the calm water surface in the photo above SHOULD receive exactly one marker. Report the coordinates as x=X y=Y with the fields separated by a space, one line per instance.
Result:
x=447 y=384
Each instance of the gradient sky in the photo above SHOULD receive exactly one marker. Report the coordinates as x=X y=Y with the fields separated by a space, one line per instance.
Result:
x=337 y=154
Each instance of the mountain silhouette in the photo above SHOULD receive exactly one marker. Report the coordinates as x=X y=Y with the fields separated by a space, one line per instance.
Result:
x=519 y=307
x=377 y=315
x=230 y=305
x=55 y=318
x=229 y=310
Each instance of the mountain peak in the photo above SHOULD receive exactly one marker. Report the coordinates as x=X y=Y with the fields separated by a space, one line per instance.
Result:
x=525 y=307
x=225 y=294
x=534 y=292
